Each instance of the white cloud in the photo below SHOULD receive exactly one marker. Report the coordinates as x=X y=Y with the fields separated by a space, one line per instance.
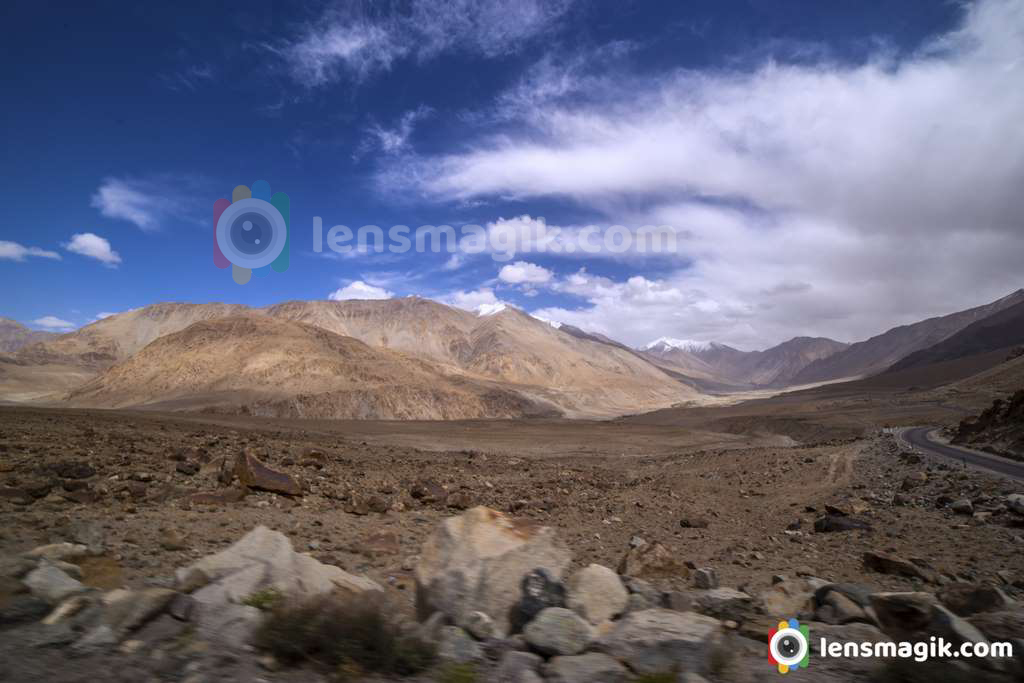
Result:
x=347 y=41
x=93 y=246
x=393 y=140
x=524 y=272
x=52 y=322
x=12 y=251
x=816 y=198
x=359 y=290
x=104 y=314
x=482 y=301
x=148 y=203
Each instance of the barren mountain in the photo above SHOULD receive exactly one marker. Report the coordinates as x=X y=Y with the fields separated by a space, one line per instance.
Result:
x=774 y=367
x=264 y=366
x=14 y=335
x=998 y=429
x=882 y=351
x=998 y=331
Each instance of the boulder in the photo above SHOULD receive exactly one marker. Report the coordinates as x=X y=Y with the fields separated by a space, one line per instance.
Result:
x=538 y=592
x=593 y=667
x=135 y=608
x=962 y=507
x=659 y=640
x=965 y=599
x=455 y=645
x=1005 y=625
x=705 y=578
x=49 y=583
x=596 y=593
x=723 y=603
x=558 y=631
x=1015 y=503
x=254 y=474
x=477 y=562
x=58 y=552
x=918 y=616
x=884 y=563
x=845 y=633
x=651 y=560
x=261 y=561
x=788 y=598
x=836 y=523
x=516 y=667
x=912 y=481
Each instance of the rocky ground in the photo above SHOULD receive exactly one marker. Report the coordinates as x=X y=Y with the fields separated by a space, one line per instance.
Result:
x=139 y=497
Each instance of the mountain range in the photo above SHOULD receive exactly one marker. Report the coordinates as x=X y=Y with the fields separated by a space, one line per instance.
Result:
x=414 y=358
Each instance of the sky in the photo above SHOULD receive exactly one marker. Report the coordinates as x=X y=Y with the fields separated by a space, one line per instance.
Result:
x=825 y=169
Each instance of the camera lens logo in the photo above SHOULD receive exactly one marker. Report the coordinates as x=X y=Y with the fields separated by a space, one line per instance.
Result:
x=250 y=232
x=789 y=645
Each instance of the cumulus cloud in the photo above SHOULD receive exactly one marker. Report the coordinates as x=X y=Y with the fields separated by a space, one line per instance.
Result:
x=830 y=198
x=522 y=272
x=482 y=301
x=52 y=322
x=93 y=246
x=148 y=203
x=347 y=41
x=12 y=251
x=359 y=290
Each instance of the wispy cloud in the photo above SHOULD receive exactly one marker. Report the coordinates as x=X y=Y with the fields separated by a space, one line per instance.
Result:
x=149 y=203
x=93 y=246
x=12 y=251
x=52 y=322
x=393 y=139
x=349 y=42
x=189 y=78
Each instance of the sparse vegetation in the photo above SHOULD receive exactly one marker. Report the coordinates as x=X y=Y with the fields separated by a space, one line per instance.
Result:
x=263 y=600
x=349 y=636
x=457 y=673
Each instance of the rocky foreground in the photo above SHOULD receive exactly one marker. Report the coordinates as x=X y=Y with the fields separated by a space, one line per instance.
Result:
x=143 y=549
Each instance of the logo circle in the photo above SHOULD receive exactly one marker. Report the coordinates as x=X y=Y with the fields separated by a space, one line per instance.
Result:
x=251 y=233
x=788 y=646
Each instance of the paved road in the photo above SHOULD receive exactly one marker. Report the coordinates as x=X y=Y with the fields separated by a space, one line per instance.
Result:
x=918 y=437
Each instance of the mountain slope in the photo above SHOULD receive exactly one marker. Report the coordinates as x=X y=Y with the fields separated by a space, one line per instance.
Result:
x=998 y=331
x=882 y=351
x=14 y=335
x=264 y=366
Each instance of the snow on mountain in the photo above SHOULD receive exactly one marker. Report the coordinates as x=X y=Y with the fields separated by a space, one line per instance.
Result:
x=690 y=345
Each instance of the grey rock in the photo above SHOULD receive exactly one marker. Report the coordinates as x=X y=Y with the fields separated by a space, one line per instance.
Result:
x=788 y=598
x=538 y=592
x=49 y=583
x=593 y=667
x=89 y=534
x=643 y=588
x=515 y=667
x=965 y=599
x=845 y=633
x=229 y=626
x=135 y=609
x=723 y=603
x=558 y=631
x=1015 y=503
x=58 y=552
x=705 y=577
x=637 y=603
x=455 y=645
x=477 y=560
x=479 y=625
x=99 y=639
x=21 y=609
x=596 y=593
x=660 y=640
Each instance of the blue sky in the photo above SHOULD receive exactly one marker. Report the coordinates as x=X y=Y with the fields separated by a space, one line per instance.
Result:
x=821 y=162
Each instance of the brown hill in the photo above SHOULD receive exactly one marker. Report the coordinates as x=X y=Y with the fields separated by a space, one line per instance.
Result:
x=882 y=351
x=264 y=366
x=998 y=429
x=14 y=335
x=1001 y=330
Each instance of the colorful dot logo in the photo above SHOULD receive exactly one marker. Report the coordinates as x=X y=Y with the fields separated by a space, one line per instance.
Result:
x=789 y=645
x=250 y=233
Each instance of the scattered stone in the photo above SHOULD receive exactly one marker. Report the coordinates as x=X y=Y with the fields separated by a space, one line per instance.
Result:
x=660 y=640
x=558 y=631
x=99 y=639
x=787 y=598
x=74 y=470
x=693 y=522
x=49 y=583
x=482 y=561
x=479 y=625
x=651 y=560
x=680 y=601
x=515 y=665
x=965 y=599
x=254 y=474
x=428 y=491
x=723 y=603
x=642 y=588
x=962 y=507
x=914 y=480
x=596 y=593
x=172 y=539
x=705 y=578
x=459 y=500
x=593 y=667
x=135 y=609
x=58 y=552
x=838 y=523
x=1015 y=503
x=455 y=645
x=187 y=468
x=884 y=563
x=383 y=542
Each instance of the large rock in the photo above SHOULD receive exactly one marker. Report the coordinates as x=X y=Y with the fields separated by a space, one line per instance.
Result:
x=517 y=667
x=477 y=561
x=651 y=560
x=596 y=593
x=593 y=667
x=455 y=645
x=723 y=603
x=558 y=631
x=255 y=475
x=47 y=582
x=538 y=591
x=789 y=597
x=918 y=616
x=883 y=563
x=1015 y=503
x=661 y=640
x=261 y=561
x=965 y=599
x=135 y=608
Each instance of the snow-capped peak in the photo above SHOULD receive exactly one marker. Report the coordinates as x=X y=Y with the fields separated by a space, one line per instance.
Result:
x=690 y=345
x=554 y=323
x=490 y=309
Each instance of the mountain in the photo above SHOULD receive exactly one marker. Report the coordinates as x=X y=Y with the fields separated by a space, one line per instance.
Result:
x=712 y=361
x=14 y=335
x=259 y=365
x=882 y=351
x=998 y=429
x=998 y=331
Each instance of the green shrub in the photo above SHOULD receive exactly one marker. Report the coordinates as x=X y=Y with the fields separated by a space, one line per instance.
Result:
x=456 y=673
x=346 y=635
x=263 y=600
